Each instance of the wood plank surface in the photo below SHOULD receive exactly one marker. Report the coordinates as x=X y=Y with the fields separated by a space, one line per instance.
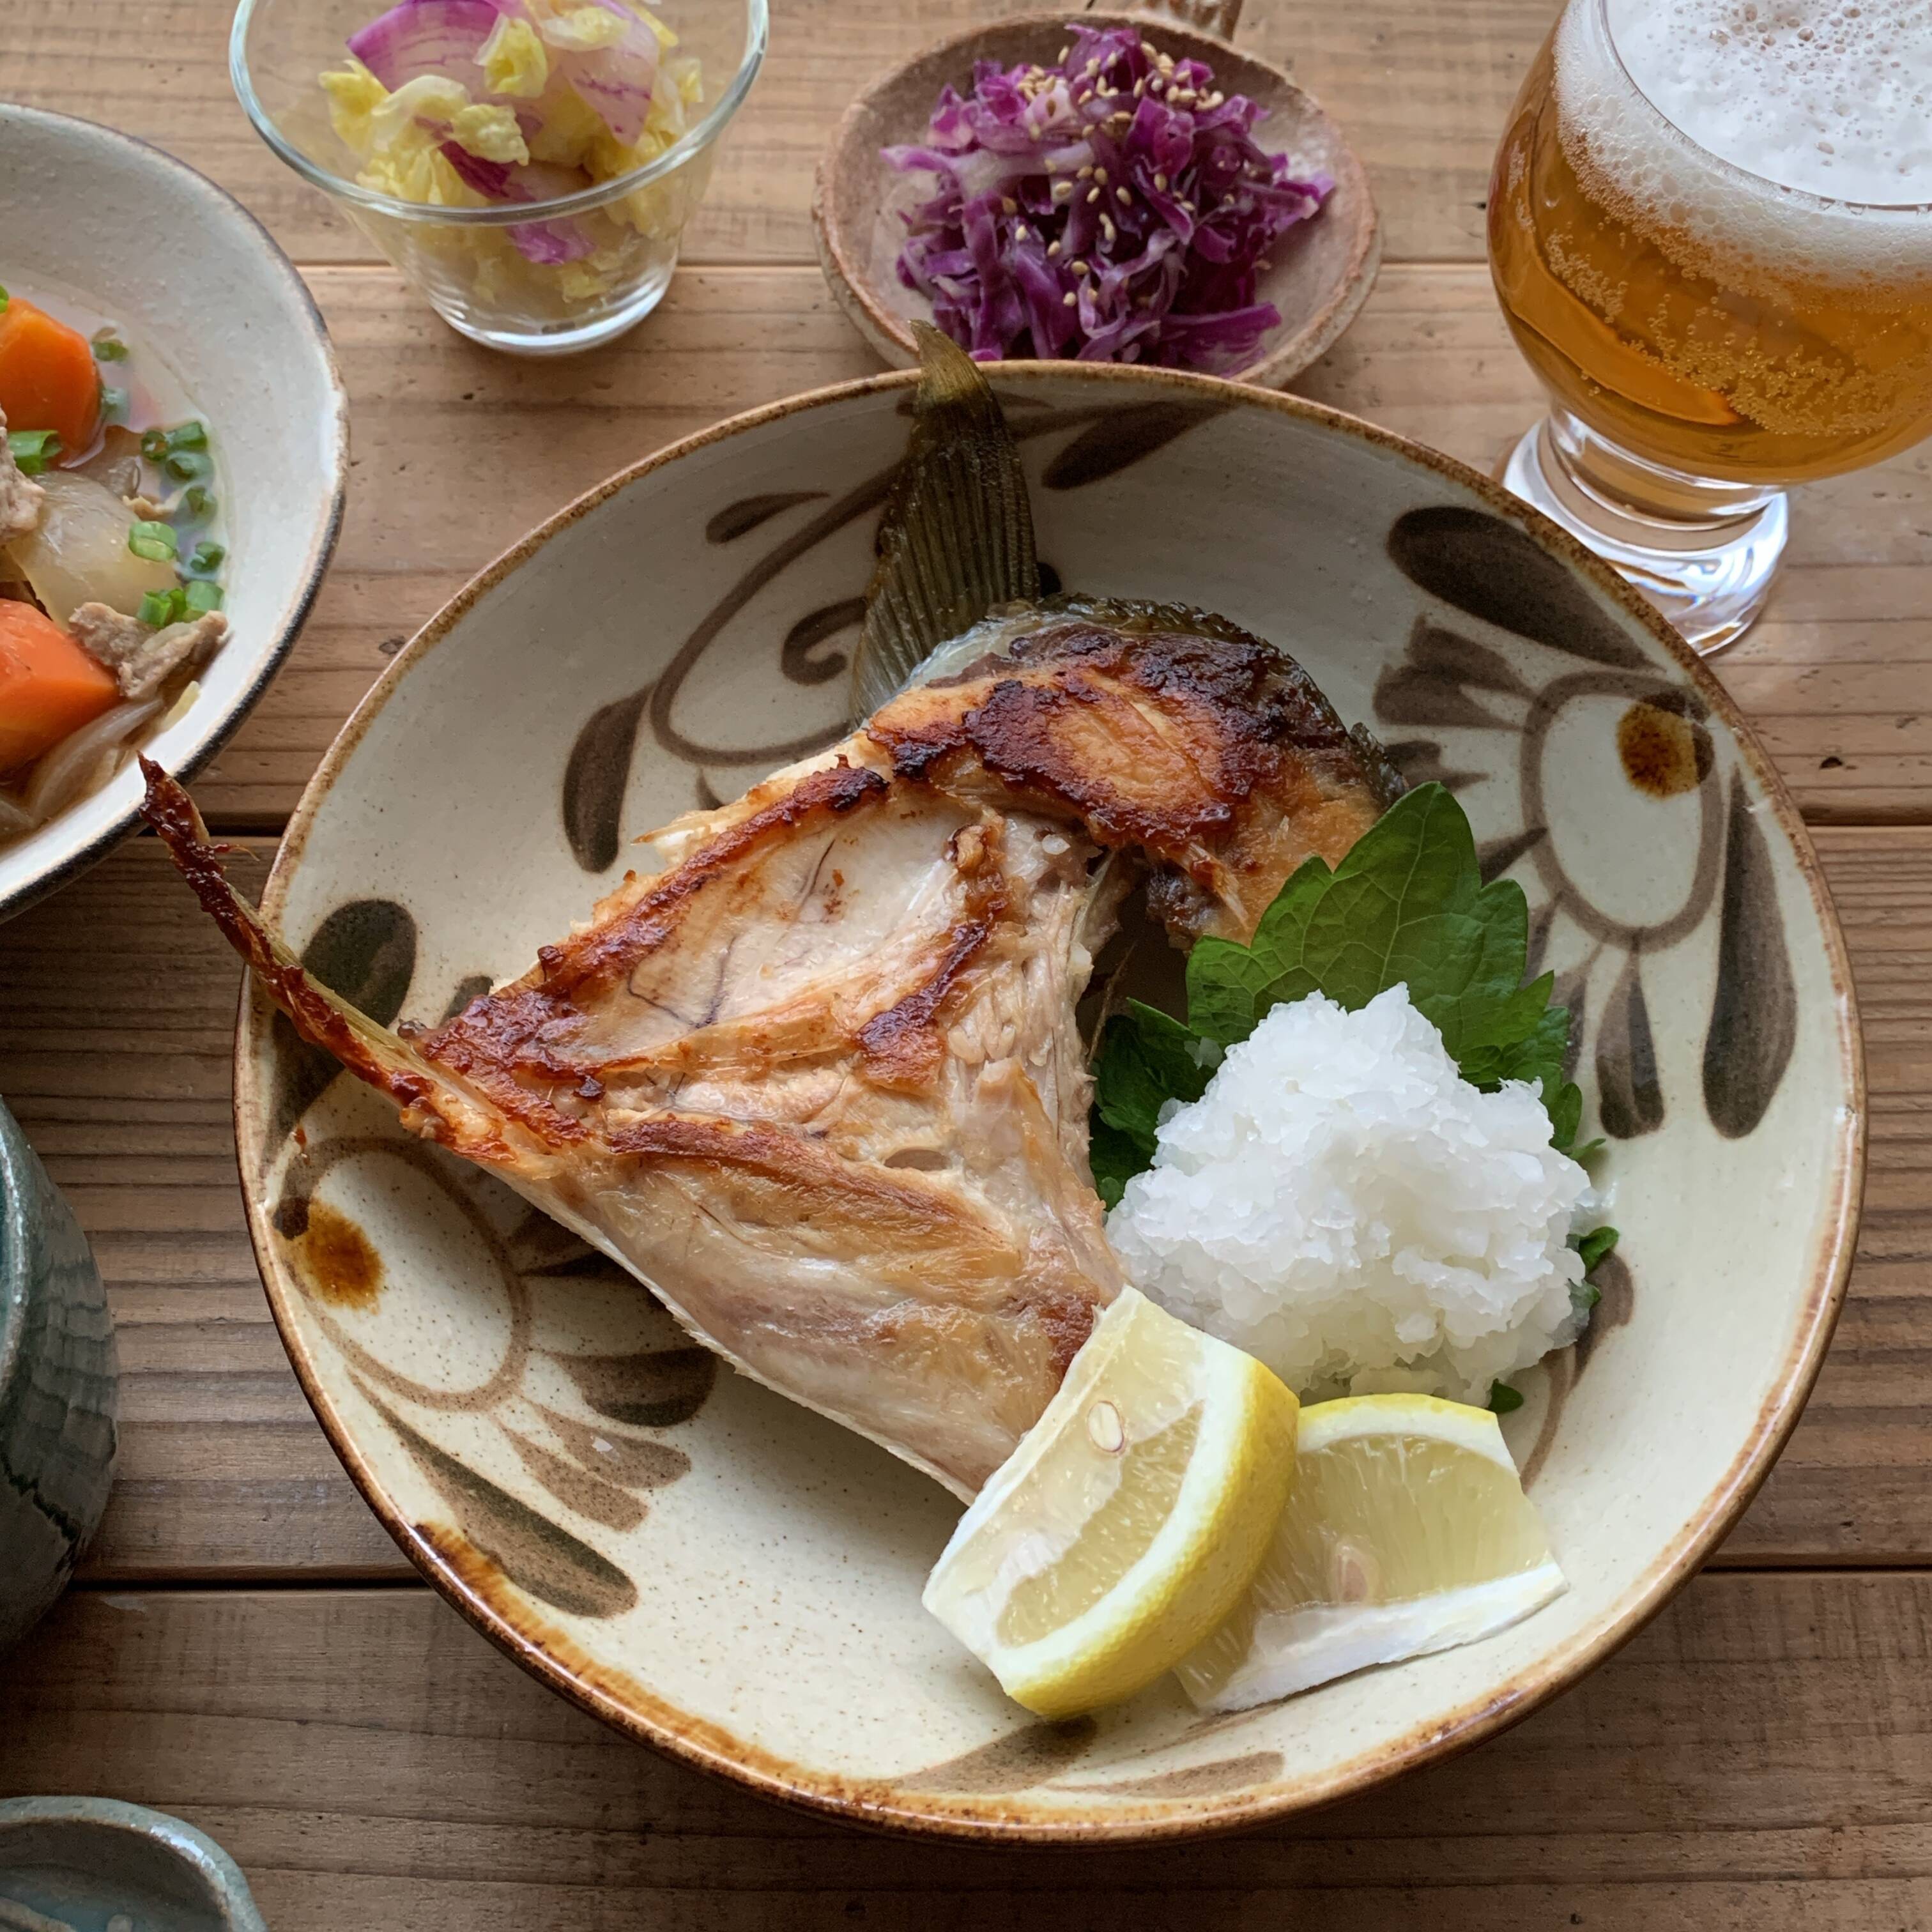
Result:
x=115 y=1060
x=1838 y=676
x=1757 y=1761
x=1422 y=92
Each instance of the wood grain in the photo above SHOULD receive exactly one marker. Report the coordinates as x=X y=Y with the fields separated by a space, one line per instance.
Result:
x=158 y=68
x=1757 y=1761
x=1838 y=676
x=115 y=1059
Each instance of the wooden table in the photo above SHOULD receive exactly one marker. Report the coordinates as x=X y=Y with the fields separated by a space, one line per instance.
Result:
x=247 y=1648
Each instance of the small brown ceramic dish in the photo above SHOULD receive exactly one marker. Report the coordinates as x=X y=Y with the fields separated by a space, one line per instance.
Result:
x=735 y=1580
x=1326 y=267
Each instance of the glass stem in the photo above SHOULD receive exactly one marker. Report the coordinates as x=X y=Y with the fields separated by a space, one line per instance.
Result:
x=1703 y=550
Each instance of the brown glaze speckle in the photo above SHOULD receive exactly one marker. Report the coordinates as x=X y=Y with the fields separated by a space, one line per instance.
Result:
x=1663 y=752
x=336 y=1262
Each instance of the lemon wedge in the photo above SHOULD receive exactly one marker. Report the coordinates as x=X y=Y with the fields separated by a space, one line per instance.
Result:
x=1130 y=1520
x=1408 y=1531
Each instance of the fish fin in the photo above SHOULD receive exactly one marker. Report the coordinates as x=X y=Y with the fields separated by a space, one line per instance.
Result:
x=368 y=1049
x=956 y=538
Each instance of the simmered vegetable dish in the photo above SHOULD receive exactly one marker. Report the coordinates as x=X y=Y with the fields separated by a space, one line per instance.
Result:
x=110 y=562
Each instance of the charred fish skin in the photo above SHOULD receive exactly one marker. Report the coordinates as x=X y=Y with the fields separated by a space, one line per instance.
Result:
x=817 y=1082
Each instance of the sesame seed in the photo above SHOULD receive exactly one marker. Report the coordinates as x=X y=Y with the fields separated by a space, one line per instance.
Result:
x=1020 y=231
x=1079 y=268
x=1063 y=192
x=1007 y=203
x=1061 y=56
x=1093 y=194
x=1093 y=68
x=1263 y=266
x=1086 y=173
x=1123 y=197
x=1160 y=182
x=1053 y=251
x=1107 y=228
x=1081 y=99
x=1100 y=176
x=1147 y=48
x=1070 y=299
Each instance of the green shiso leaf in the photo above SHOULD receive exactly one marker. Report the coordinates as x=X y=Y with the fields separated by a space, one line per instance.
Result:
x=1503 y=1398
x=1407 y=906
x=1595 y=1245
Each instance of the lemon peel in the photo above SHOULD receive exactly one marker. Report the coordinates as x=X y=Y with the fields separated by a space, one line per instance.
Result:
x=1129 y=1521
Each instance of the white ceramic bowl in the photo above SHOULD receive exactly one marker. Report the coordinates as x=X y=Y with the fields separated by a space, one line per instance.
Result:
x=736 y=1580
x=195 y=282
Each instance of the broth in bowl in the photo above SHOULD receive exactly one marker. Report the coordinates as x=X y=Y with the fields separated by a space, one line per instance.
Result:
x=111 y=552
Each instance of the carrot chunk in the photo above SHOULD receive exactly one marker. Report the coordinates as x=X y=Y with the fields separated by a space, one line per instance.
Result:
x=47 y=377
x=49 y=686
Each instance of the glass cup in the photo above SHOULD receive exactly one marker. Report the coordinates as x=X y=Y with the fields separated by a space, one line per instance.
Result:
x=542 y=276
x=1708 y=335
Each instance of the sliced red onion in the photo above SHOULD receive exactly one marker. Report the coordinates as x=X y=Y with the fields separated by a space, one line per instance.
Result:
x=423 y=36
x=80 y=762
x=490 y=178
x=547 y=244
x=616 y=81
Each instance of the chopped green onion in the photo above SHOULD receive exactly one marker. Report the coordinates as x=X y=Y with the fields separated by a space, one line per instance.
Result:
x=33 y=449
x=113 y=403
x=155 y=541
x=3 y=301
x=201 y=596
x=198 y=502
x=188 y=436
x=154 y=444
x=207 y=557
x=160 y=608
x=108 y=347
x=185 y=465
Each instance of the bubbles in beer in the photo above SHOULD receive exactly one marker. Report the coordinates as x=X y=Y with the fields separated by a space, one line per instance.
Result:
x=1833 y=97
x=1830 y=98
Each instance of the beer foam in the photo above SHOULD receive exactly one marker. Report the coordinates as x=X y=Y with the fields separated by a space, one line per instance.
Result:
x=1830 y=98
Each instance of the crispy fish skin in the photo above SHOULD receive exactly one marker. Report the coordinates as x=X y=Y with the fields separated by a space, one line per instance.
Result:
x=818 y=1082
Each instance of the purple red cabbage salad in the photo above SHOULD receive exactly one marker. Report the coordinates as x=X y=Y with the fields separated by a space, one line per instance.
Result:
x=476 y=102
x=1113 y=207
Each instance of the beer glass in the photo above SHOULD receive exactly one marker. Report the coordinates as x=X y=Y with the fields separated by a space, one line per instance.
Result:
x=1711 y=231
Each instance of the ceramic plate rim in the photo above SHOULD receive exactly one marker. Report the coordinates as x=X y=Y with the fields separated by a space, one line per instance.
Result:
x=994 y=1818
x=304 y=307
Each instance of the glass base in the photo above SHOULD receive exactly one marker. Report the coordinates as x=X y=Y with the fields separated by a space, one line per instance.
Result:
x=1703 y=552
x=518 y=337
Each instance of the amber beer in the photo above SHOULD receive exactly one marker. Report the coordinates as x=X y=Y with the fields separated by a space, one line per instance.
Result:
x=1688 y=291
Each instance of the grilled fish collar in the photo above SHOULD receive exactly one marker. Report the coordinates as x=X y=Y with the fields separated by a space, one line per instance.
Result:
x=818 y=1082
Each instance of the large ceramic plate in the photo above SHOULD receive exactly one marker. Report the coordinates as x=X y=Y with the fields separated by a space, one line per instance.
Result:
x=735 y=1580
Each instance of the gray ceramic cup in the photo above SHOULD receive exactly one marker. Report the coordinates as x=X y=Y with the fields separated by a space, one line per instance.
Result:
x=57 y=1389
x=85 y=1861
